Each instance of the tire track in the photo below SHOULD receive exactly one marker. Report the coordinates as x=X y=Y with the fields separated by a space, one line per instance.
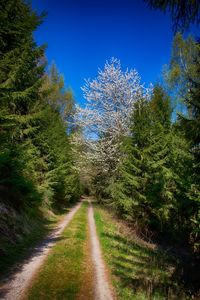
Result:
x=102 y=288
x=13 y=288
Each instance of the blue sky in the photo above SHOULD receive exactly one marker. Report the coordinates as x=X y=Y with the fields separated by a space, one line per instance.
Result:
x=82 y=35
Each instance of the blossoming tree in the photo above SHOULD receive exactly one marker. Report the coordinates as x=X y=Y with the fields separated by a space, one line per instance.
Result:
x=105 y=117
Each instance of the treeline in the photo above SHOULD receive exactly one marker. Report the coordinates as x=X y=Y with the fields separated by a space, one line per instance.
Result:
x=143 y=154
x=36 y=112
x=156 y=183
x=142 y=146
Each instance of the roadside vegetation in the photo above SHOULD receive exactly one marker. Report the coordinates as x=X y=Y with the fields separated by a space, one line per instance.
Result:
x=32 y=229
x=139 y=269
x=36 y=110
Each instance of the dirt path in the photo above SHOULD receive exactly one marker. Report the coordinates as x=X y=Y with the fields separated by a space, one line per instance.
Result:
x=102 y=288
x=15 y=286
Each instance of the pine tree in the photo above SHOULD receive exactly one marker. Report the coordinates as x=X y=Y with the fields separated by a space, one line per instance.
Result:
x=153 y=179
x=184 y=77
x=59 y=182
x=183 y=13
x=21 y=71
x=36 y=160
x=128 y=188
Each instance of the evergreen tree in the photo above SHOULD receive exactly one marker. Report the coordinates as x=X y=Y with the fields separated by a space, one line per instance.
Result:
x=36 y=160
x=154 y=177
x=60 y=182
x=183 y=12
x=128 y=188
x=21 y=71
x=184 y=78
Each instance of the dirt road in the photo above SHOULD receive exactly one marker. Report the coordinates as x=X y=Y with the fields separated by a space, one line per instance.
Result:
x=102 y=288
x=15 y=286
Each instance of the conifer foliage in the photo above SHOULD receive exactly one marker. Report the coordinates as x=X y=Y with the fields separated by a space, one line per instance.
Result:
x=36 y=161
x=128 y=148
x=154 y=176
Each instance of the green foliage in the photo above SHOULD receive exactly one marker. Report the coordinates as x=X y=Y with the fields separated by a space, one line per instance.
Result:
x=183 y=12
x=68 y=255
x=138 y=269
x=184 y=78
x=128 y=188
x=20 y=79
x=154 y=183
x=36 y=161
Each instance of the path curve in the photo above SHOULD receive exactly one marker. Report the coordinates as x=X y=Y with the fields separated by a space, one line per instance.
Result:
x=14 y=287
x=102 y=289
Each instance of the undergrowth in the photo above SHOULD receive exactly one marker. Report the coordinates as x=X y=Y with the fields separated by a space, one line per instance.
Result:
x=139 y=270
x=21 y=232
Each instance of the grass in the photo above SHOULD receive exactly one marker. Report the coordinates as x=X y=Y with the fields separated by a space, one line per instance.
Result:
x=138 y=270
x=66 y=273
x=30 y=230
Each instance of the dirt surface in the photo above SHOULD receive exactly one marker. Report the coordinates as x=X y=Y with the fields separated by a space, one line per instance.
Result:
x=14 y=287
x=102 y=288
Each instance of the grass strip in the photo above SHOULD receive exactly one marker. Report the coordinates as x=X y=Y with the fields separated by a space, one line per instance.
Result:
x=139 y=272
x=32 y=234
x=62 y=274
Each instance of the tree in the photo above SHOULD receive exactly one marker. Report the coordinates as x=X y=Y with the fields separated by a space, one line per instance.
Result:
x=153 y=179
x=127 y=187
x=21 y=75
x=184 y=77
x=60 y=179
x=36 y=160
x=105 y=118
x=59 y=98
x=160 y=106
x=183 y=12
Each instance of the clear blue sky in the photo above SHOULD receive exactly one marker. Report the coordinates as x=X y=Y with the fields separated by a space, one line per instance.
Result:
x=82 y=35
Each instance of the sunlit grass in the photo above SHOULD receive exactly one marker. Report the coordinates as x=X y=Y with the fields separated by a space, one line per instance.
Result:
x=63 y=271
x=139 y=272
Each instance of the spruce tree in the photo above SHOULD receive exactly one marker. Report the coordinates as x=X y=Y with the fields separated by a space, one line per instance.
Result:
x=21 y=72
x=59 y=182
x=153 y=179
x=36 y=160
x=184 y=77
x=128 y=188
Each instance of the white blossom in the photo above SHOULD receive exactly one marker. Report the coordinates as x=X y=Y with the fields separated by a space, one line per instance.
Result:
x=106 y=115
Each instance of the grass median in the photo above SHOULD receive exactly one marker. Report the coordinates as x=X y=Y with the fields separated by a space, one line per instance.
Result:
x=67 y=266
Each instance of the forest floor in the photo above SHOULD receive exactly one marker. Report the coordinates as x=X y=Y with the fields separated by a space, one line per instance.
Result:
x=93 y=255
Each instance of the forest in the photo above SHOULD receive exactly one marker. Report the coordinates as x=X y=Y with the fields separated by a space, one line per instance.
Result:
x=134 y=149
